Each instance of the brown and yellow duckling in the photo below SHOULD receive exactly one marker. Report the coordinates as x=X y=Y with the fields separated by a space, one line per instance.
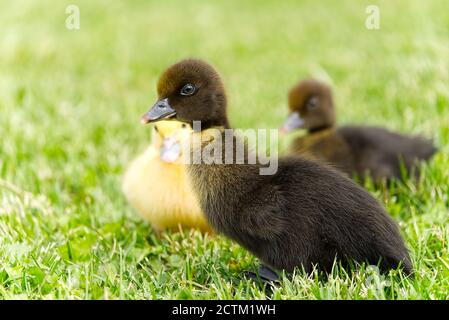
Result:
x=304 y=215
x=156 y=182
x=352 y=149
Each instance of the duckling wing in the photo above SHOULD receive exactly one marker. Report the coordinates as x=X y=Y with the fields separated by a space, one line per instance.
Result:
x=379 y=150
x=331 y=216
x=262 y=216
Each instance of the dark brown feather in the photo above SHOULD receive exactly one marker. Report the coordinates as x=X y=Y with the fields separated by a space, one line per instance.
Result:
x=304 y=215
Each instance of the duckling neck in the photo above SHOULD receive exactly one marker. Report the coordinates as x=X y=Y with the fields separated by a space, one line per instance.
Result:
x=323 y=128
x=215 y=123
x=218 y=181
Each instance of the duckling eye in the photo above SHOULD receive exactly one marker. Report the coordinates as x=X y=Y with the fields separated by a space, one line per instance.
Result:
x=183 y=126
x=188 y=90
x=312 y=103
x=156 y=129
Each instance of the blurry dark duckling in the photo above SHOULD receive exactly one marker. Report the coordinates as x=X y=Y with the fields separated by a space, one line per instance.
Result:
x=304 y=215
x=351 y=149
x=156 y=182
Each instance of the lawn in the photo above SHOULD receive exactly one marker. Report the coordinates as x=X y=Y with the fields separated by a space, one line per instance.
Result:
x=70 y=103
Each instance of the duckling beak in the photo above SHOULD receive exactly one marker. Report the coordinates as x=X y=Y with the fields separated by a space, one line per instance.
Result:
x=160 y=110
x=294 y=121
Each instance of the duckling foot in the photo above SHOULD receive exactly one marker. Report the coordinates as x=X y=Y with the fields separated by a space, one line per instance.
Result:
x=264 y=274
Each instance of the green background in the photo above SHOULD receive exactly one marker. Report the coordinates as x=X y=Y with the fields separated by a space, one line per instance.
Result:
x=70 y=103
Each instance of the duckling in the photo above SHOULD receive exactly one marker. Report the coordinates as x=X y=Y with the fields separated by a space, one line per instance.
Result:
x=304 y=215
x=156 y=183
x=351 y=149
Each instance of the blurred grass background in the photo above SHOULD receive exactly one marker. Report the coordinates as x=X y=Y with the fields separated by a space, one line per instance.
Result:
x=70 y=102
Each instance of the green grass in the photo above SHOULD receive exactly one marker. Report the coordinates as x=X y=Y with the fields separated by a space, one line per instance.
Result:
x=70 y=103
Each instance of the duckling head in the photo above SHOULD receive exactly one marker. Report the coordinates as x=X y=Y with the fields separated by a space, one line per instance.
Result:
x=311 y=107
x=190 y=90
x=168 y=137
